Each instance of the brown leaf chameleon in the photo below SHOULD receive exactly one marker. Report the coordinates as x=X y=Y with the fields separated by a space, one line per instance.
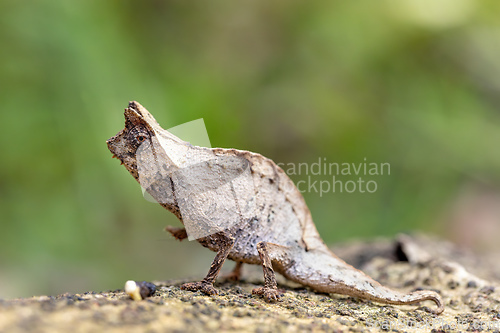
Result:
x=244 y=207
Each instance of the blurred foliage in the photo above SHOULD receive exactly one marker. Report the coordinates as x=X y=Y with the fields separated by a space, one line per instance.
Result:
x=413 y=83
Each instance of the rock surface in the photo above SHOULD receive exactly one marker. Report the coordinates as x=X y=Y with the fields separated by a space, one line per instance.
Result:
x=472 y=303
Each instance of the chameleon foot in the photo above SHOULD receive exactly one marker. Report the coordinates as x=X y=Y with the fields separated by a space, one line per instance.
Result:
x=202 y=286
x=270 y=295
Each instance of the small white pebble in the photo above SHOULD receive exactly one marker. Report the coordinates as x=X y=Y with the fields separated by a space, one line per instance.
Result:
x=133 y=290
x=130 y=286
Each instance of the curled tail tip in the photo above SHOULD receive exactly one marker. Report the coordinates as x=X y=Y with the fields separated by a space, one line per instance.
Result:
x=439 y=304
x=437 y=311
x=429 y=295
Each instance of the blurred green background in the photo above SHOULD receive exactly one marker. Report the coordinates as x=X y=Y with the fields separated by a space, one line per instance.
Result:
x=413 y=83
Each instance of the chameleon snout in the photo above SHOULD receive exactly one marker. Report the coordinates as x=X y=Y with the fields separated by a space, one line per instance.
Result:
x=116 y=146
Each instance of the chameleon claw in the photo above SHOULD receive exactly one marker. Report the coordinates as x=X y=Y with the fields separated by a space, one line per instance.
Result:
x=202 y=286
x=270 y=295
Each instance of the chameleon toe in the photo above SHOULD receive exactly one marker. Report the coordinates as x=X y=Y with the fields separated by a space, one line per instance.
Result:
x=204 y=287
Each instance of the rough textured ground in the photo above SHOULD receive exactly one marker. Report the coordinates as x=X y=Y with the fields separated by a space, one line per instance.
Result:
x=472 y=303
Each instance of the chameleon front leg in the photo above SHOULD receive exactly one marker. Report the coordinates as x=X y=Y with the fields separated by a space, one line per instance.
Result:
x=225 y=243
x=270 y=290
x=181 y=234
x=178 y=233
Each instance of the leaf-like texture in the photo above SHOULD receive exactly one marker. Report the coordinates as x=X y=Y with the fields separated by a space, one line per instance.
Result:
x=212 y=194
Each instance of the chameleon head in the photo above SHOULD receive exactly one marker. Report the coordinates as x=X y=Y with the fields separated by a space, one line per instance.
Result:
x=137 y=130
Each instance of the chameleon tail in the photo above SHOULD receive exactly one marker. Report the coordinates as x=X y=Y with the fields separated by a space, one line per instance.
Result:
x=321 y=270
x=381 y=294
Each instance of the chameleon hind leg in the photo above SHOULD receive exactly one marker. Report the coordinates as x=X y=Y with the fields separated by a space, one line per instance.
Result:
x=225 y=243
x=235 y=274
x=270 y=289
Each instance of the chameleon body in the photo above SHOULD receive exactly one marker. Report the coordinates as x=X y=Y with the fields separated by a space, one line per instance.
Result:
x=279 y=235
